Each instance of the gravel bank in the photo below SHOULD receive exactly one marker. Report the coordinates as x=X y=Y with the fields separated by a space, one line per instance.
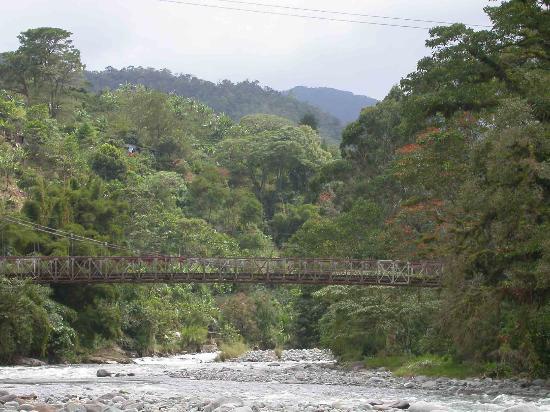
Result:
x=299 y=381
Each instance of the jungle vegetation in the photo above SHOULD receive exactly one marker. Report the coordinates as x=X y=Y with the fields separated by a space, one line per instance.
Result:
x=453 y=165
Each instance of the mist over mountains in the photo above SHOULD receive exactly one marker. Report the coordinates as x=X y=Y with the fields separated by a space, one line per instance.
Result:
x=344 y=105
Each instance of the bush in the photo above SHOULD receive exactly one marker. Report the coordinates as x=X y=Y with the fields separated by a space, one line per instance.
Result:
x=24 y=320
x=232 y=350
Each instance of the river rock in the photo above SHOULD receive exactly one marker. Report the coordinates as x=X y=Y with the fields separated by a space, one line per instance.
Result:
x=94 y=407
x=74 y=407
x=7 y=398
x=429 y=385
x=30 y=362
x=44 y=407
x=12 y=404
x=26 y=407
x=103 y=373
x=422 y=406
x=400 y=405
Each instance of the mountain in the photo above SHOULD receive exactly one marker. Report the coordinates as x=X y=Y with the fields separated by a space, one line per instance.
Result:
x=346 y=106
x=234 y=99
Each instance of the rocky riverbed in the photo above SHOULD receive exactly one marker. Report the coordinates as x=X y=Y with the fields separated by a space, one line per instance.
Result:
x=298 y=381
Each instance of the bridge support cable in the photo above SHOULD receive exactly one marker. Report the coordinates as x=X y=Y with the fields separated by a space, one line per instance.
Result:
x=68 y=235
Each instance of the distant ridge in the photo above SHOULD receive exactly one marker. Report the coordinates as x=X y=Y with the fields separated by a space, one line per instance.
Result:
x=234 y=99
x=344 y=105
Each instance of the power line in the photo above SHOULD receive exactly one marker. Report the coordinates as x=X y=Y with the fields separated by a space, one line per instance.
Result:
x=344 y=13
x=61 y=233
x=304 y=16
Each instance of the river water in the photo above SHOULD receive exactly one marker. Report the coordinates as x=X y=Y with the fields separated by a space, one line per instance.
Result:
x=192 y=382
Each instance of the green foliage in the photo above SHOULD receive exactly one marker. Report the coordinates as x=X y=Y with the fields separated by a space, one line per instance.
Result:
x=452 y=165
x=235 y=99
x=356 y=234
x=30 y=323
x=373 y=321
x=232 y=350
x=166 y=318
x=108 y=162
x=259 y=318
x=427 y=365
x=45 y=68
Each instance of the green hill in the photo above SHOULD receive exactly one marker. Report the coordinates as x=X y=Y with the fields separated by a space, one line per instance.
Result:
x=344 y=105
x=234 y=99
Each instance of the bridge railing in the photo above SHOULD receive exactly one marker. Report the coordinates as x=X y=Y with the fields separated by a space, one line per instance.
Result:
x=85 y=269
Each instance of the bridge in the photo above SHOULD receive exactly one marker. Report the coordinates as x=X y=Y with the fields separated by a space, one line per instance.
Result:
x=177 y=269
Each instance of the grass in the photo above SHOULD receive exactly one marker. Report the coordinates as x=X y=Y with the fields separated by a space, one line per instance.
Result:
x=427 y=365
x=232 y=350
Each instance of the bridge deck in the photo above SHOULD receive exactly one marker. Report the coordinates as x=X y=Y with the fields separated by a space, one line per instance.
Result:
x=176 y=269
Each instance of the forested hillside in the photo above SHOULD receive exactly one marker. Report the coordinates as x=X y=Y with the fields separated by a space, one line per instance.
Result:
x=453 y=165
x=234 y=99
x=346 y=106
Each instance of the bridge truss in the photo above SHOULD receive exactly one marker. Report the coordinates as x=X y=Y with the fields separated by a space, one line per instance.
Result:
x=176 y=269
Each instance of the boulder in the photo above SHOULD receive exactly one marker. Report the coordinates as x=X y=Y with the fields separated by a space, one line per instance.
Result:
x=26 y=407
x=29 y=362
x=74 y=407
x=422 y=406
x=94 y=407
x=103 y=373
x=7 y=398
x=429 y=385
x=400 y=405
x=225 y=401
x=44 y=407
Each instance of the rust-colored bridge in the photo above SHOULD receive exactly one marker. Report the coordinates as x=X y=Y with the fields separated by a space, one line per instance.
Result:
x=176 y=269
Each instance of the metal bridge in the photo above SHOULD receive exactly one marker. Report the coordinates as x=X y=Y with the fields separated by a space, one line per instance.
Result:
x=177 y=269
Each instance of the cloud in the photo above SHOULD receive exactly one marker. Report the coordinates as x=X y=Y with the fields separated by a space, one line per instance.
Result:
x=216 y=44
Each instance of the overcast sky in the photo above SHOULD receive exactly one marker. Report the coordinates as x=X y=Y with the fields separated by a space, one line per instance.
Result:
x=215 y=44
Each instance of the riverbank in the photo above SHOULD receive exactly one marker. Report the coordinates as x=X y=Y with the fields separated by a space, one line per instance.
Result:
x=299 y=381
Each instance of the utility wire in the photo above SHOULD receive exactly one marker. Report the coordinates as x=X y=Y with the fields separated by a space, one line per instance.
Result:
x=304 y=16
x=61 y=233
x=344 y=13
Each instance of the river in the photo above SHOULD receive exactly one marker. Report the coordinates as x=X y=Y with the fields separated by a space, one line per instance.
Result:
x=196 y=383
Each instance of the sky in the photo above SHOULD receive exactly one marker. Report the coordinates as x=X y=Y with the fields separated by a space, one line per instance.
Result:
x=215 y=44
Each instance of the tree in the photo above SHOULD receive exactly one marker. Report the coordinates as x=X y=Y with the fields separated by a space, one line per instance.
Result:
x=108 y=163
x=45 y=68
x=10 y=158
x=310 y=120
x=277 y=159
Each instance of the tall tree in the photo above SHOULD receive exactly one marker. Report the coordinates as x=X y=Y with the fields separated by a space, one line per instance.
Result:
x=44 y=69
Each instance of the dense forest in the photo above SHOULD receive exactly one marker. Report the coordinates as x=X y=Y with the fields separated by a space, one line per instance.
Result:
x=453 y=165
x=234 y=99
x=346 y=106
